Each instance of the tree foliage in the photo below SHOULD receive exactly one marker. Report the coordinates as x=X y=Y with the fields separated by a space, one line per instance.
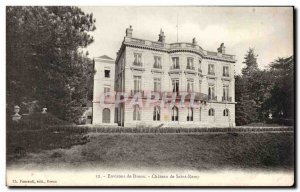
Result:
x=44 y=58
x=260 y=93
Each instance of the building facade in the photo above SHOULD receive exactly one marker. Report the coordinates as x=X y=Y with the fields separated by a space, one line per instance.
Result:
x=104 y=79
x=144 y=68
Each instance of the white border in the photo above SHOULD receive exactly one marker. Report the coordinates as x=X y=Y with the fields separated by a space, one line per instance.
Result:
x=114 y=3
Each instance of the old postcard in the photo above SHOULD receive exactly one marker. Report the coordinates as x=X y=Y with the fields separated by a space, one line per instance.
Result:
x=150 y=96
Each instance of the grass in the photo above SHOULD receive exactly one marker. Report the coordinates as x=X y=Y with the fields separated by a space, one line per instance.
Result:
x=187 y=151
x=32 y=134
x=33 y=141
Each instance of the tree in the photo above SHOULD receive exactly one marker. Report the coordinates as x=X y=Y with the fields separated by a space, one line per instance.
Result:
x=44 y=61
x=246 y=90
x=281 y=102
x=251 y=63
x=261 y=92
x=245 y=112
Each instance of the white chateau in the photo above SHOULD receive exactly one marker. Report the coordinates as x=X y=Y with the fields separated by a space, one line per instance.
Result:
x=144 y=67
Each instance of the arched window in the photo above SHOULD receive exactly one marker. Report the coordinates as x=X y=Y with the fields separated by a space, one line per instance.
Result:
x=225 y=112
x=156 y=113
x=190 y=115
x=174 y=113
x=211 y=112
x=136 y=113
x=106 y=115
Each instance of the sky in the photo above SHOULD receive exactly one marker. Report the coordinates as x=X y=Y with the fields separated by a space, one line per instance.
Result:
x=269 y=30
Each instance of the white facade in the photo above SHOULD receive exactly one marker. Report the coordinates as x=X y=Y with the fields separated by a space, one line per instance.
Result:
x=146 y=66
x=103 y=114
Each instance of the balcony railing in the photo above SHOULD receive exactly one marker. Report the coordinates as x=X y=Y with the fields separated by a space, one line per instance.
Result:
x=212 y=98
x=138 y=64
x=137 y=41
x=227 y=99
x=156 y=44
x=225 y=74
x=175 y=67
x=157 y=66
x=190 y=67
x=133 y=92
x=211 y=73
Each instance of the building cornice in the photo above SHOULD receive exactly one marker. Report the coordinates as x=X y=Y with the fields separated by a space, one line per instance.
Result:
x=174 y=48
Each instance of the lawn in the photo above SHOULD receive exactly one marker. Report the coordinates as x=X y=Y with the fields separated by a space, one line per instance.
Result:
x=202 y=151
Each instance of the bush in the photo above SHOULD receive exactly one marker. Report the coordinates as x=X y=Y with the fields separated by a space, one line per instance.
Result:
x=34 y=122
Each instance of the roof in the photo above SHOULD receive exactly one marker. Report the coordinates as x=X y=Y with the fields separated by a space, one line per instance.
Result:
x=105 y=57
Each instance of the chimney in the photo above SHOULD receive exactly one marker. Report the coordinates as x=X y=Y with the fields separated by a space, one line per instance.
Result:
x=194 y=41
x=221 y=49
x=129 y=31
x=161 y=36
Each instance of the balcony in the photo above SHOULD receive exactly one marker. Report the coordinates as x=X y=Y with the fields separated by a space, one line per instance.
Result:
x=190 y=67
x=190 y=70
x=133 y=92
x=137 y=66
x=154 y=93
x=212 y=98
x=157 y=69
x=227 y=99
x=175 y=69
x=211 y=73
x=226 y=77
x=155 y=66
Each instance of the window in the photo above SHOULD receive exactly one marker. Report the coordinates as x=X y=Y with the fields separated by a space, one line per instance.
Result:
x=200 y=68
x=157 y=62
x=225 y=71
x=211 y=92
x=137 y=59
x=174 y=113
x=225 y=93
x=175 y=85
x=190 y=85
x=211 y=112
x=200 y=83
x=106 y=73
x=137 y=84
x=156 y=113
x=190 y=114
x=211 y=69
x=200 y=114
x=136 y=113
x=175 y=62
x=225 y=112
x=106 y=89
x=190 y=63
x=157 y=84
